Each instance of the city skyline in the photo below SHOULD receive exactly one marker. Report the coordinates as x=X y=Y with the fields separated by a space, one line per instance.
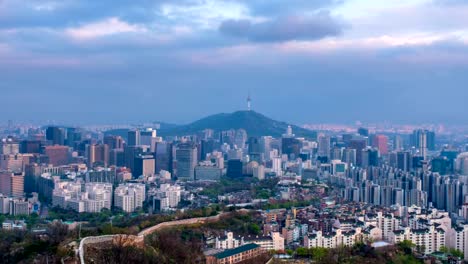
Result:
x=178 y=61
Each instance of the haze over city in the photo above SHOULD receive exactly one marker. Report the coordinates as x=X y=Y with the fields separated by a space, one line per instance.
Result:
x=177 y=61
x=234 y=131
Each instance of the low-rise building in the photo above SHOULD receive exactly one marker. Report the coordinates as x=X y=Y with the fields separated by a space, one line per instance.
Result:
x=235 y=255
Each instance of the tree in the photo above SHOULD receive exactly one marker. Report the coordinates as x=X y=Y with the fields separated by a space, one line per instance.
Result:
x=456 y=253
x=318 y=253
x=302 y=252
x=444 y=249
x=406 y=246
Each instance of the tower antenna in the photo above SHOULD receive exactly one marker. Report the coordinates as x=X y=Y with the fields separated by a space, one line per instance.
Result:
x=249 y=102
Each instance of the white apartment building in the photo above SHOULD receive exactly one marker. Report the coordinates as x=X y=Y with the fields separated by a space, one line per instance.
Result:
x=430 y=239
x=129 y=196
x=91 y=198
x=335 y=239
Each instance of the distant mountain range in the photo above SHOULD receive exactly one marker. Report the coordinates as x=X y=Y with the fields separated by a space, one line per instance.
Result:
x=254 y=123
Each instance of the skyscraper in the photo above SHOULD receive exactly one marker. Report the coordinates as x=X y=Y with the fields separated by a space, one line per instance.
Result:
x=12 y=184
x=98 y=154
x=8 y=146
x=58 y=155
x=323 y=146
x=144 y=165
x=363 y=131
x=234 y=168
x=186 y=156
x=403 y=160
x=291 y=146
x=55 y=135
x=148 y=138
x=133 y=138
x=381 y=143
x=114 y=142
x=240 y=138
x=358 y=144
x=423 y=140
x=164 y=157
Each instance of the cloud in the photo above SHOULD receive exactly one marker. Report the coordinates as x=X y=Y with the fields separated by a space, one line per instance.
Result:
x=317 y=26
x=277 y=7
x=106 y=27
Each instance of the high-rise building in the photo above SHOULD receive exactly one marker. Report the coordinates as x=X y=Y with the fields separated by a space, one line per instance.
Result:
x=30 y=146
x=349 y=156
x=98 y=155
x=55 y=135
x=363 y=131
x=131 y=152
x=358 y=144
x=324 y=146
x=134 y=138
x=117 y=157
x=423 y=140
x=114 y=142
x=144 y=165
x=129 y=196
x=404 y=160
x=265 y=146
x=234 y=168
x=381 y=143
x=291 y=146
x=73 y=136
x=12 y=184
x=9 y=147
x=58 y=155
x=148 y=138
x=207 y=146
x=254 y=146
x=164 y=157
x=370 y=157
x=240 y=138
x=12 y=162
x=186 y=156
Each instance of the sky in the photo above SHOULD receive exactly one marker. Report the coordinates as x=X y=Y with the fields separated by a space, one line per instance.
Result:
x=302 y=61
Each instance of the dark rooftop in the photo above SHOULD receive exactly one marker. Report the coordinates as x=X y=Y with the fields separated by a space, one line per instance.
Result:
x=235 y=251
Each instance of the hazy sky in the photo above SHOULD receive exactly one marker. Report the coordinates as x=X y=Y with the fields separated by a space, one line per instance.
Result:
x=303 y=61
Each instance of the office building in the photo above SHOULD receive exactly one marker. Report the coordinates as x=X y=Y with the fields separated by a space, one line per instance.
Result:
x=98 y=155
x=186 y=156
x=58 y=155
x=144 y=166
x=114 y=142
x=291 y=147
x=362 y=131
x=55 y=135
x=380 y=142
x=13 y=162
x=207 y=171
x=359 y=144
x=9 y=147
x=30 y=146
x=133 y=138
x=148 y=138
x=234 y=168
x=323 y=150
x=12 y=184
x=164 y=157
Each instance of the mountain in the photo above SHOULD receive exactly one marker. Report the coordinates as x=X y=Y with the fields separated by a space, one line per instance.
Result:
x=254 y=123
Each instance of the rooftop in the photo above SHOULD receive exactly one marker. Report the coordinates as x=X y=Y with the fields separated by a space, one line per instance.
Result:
x=235 y=251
